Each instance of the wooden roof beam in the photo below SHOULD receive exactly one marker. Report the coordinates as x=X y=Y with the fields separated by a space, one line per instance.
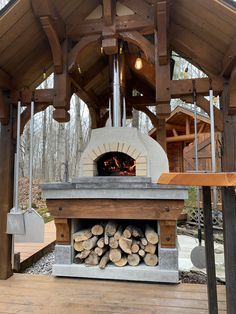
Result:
x=54 y=28
x=229 y=60
x=122 y=23
x=74 y=54
x=54 y=43
x=140 y=7
x=43 y=8
x=5 y=80
x=41 y=96
x=109 y=36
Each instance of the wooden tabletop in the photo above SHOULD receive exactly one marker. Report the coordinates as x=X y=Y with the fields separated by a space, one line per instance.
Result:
x=198 y=179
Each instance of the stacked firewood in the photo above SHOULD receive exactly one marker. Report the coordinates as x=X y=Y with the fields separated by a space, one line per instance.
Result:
x=110 y=242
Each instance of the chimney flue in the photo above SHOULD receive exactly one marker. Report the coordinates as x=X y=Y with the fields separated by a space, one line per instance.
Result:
x=116 y=103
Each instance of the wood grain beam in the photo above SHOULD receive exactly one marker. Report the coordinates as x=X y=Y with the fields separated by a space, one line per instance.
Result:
x=54 y=42
x=74 y=54
x=141 y=8
x=46 y=8
x=122 y=24
x=108 y=9
x=232 y=92
x=41 y=96
x=140 y=41
x=150 y=114
x=179 y=88
x=162 y=25
x=5 y=80
x=197 y=50
x=229 y=60
x=82 y=11
x=4 y=108
x=93 y=71
x=141 y=100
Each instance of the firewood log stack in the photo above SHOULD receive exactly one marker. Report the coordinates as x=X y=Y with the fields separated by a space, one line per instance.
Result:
x=116 y=244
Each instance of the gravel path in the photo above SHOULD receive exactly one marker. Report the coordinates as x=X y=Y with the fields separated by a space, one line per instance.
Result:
x=42 y=266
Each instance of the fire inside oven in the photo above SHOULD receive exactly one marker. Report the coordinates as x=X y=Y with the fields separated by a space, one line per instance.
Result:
x=116 y=164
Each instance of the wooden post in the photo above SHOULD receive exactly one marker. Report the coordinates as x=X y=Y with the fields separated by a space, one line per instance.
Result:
x=6 y=195
x=161 y=133
x=228 y=198
x=210 y=257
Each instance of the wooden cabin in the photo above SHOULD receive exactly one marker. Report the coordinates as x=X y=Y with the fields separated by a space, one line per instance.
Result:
x=77 y=41
x=180 y=141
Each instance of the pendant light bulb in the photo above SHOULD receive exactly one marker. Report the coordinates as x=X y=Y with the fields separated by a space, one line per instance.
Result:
x=138 y=62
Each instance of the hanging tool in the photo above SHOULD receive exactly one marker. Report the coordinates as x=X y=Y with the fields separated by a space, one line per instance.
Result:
x=34 y=223
x=213 y=155
x=15 y=218
x=198 y=253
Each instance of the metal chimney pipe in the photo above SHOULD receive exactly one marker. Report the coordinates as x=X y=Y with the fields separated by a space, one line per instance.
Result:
x=116 y=93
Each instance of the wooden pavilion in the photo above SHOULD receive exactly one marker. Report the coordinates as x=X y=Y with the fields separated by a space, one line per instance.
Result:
x=75 y=38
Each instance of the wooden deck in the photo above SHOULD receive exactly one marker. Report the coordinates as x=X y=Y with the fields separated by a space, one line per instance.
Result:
x=24 y=293
x=31 y=252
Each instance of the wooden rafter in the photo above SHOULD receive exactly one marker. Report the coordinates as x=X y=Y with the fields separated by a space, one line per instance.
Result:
x=46 y=8
x=229 y=60
x=73 y=56
x=139 y=7
x=83 y=10
x=122 y=23
x=5 y=80
x=54 y=42
x=232 y=92
x=53 y=27
x=191 y=46
x=41 y=96
x=143 y=43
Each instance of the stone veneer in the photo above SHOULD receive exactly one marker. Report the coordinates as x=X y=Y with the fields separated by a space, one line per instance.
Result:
x=149 y=156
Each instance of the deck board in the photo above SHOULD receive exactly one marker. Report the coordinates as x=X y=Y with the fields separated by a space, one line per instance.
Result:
x=30 y=252
x=25 y=293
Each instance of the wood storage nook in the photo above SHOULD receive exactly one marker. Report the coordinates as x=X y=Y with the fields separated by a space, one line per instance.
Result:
x=126 y=238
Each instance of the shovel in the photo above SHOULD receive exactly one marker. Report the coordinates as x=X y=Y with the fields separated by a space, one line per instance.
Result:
x=34 y=223
x=15 y=218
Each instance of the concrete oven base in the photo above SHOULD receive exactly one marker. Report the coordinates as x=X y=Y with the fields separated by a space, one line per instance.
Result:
x=137 y=273
x=166 y=271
